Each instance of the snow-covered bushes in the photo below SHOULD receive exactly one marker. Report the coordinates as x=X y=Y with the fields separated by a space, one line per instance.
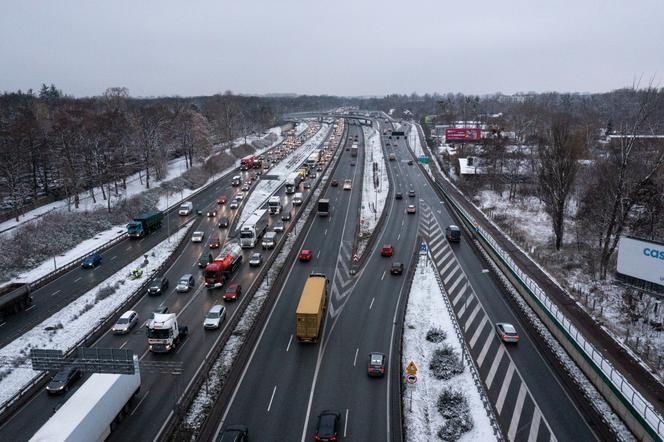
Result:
x=436 y=335
x=453 y=406
x=445 y=363
x=242 y=150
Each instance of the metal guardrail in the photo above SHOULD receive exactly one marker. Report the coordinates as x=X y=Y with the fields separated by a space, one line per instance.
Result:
x=171 y=429
x=640 y=408
x=8 y=408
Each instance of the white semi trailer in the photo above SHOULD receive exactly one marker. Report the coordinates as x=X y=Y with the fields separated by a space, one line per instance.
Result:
x=92 y=412
x=253 y=229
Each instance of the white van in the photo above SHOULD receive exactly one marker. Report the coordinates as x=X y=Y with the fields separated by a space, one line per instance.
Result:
x=186 y=208
x=236 y=180
x=269 y=240
x=297 y=199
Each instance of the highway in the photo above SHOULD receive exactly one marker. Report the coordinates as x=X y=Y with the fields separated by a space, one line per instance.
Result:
x=160 y=390
x=305 y=379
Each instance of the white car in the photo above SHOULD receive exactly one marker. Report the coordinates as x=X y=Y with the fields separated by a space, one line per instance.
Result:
x=214 y=317
x=348 y=184
x=507 y=332
x=239 y=196
x=125 y=322
x=185 y=283
x=234 y=204
x=197 y=236
x=255 y=260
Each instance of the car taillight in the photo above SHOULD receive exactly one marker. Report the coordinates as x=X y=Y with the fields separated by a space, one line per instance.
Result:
x=317 y=437
x=332 y=438
x=382 y=370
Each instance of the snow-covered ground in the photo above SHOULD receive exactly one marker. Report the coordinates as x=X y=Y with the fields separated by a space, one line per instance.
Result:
x=176 y=167
x=135 y=185
x=414 y=140
x=374 y=194
x=207 y=394
x=76 y=320
x=279 y=173
x=427 y=310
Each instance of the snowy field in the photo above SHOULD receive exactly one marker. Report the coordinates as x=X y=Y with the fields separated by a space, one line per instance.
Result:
x=105 y=236
x=426 y=310
x=135 y=186
x=279 y=173
x=65 y=328
x=414 y=140
x=373 y=197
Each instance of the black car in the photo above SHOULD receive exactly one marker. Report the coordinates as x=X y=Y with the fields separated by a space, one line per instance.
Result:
x=376 y=366
x=204 y=260
x=453 y=233
x=307 y=185
x=63 y=380
x=234 y=433
x=223 y=222
x=326 y=427
x=352 y=163
x=410 y=162
x=334 y=183
x=411 y=193
x=158 y=285
x=398 y=196
x=286 y=216
x=397 y=268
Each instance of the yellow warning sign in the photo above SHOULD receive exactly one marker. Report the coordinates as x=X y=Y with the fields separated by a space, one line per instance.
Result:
x=411 y=369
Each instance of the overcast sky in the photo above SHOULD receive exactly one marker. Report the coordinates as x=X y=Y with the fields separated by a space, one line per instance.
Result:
x=330 y=47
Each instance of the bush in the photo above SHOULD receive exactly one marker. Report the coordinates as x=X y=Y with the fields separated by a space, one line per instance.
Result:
x=445 y=363
x=242 y=150
x=453 y=406
x=436 y=335
x=104 y=292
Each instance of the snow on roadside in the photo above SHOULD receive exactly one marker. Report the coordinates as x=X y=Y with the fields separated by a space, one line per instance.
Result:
x=373 y=198
x=426 y=310
x=414 y=140
x=264 y=188
x=135 y=186
x=77 y=319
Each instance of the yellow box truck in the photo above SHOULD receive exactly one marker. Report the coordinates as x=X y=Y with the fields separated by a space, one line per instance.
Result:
x=311 y=308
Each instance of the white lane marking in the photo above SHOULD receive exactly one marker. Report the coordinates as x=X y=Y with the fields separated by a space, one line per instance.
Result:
x=325 y=232
x=289 y=342
x=494 y=366
x=478 y=331
x=516 y=414
x=55 y=292
x=453 y=286
x=318 y=255
x=372 y=301
x=123 y=344
x=78 y=279
x=346 y=423
x=398 y=236
x=382 y=277
x=271 y=398
x=534 y=425
x=355 y=359
x=2 y=324
x=485 y=349
x=472 y=317
x=30 y=308
x=140 y=402
x=504 y=387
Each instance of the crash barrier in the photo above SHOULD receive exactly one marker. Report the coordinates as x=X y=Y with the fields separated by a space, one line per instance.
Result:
x=11 y=406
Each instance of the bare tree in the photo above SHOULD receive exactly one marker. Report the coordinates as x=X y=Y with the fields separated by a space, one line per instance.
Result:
x=149 y=124
x=558 y=155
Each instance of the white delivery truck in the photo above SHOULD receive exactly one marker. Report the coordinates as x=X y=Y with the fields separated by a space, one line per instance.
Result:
x=297 y=199
x=292 y=182
x=95 y=408
x=253 y=229
x=274 y=205
x=186 y=208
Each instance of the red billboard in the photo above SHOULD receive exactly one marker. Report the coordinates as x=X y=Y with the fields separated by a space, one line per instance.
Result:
x=465 y=134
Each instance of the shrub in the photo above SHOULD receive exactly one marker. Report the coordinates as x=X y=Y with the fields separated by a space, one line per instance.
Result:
x=453 y=406
x=436 y=335
x=104 y=292
x=242 y=150
x=445 y=363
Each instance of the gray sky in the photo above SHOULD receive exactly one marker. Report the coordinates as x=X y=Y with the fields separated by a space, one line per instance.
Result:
x=330 y=47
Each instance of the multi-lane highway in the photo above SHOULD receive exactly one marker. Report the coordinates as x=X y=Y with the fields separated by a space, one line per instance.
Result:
x=160 y=390
x=286 y=384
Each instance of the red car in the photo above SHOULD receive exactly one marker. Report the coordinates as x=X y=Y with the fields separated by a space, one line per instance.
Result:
x=215 y=242
x=232 y=292
x=305 y=255
x=387 y=250
x=221 y=200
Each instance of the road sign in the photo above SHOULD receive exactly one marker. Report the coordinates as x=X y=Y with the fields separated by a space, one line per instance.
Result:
x=411 y=369
x=423 y=248
x=411 y=379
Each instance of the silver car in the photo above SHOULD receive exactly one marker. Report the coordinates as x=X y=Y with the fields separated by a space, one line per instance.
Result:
x=185 y=283
x=125 y=322
x=214 y=317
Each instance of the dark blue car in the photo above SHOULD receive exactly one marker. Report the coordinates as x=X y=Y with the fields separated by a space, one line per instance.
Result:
x=91 y=261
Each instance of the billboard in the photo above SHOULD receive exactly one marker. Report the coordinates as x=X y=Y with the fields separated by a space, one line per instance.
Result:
x=464 y=134
x=641 y=259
